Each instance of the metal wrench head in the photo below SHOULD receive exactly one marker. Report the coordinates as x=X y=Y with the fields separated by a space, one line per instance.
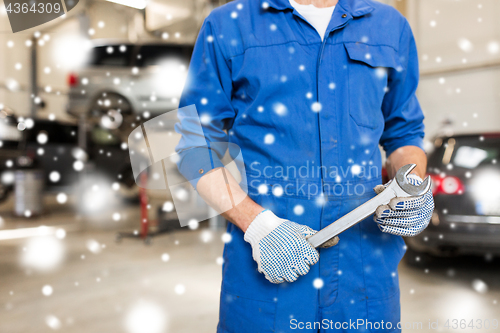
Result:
x=412 y=190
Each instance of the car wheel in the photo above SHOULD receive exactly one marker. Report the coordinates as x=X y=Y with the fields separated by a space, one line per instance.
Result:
x=112 y=111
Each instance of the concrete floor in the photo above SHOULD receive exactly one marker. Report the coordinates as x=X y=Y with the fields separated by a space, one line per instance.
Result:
x=451 y=288
x=102 y=286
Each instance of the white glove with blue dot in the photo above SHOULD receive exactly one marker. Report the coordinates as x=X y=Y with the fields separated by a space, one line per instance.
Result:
x=280 y=247
x=405 y=216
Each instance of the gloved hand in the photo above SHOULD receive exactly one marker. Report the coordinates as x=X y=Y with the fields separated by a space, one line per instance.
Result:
x=405 y=216
x=280 y=247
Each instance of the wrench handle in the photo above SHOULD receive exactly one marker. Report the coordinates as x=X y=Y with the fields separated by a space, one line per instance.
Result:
x=355 y=216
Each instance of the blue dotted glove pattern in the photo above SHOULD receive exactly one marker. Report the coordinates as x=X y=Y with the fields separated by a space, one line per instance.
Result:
x=406 y=216
x=285 y=253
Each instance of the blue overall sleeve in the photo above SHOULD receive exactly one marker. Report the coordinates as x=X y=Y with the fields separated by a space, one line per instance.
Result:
x=209 y=88
x=403 y=116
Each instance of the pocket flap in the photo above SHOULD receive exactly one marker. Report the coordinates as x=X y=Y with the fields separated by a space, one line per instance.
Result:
x=373 y=55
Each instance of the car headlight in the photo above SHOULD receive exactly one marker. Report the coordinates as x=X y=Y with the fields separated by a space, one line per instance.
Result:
x=486 y=186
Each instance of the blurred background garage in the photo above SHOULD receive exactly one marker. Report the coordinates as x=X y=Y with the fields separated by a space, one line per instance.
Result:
x=83 y=249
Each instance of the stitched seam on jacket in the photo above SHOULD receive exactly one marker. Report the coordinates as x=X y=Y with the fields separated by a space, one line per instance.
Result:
x=392 y=47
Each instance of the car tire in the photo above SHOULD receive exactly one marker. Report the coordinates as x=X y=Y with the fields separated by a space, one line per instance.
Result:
x=104 y=108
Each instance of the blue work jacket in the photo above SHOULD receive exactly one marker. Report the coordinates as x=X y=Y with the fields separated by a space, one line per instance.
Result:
x=308 y=116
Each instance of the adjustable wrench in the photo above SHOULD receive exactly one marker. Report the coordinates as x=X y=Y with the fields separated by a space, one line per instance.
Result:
x=399 y=187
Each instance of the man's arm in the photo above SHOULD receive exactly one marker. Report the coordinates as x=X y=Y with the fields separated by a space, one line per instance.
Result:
x=404 y=128
x=403 y=142
x=279 y=246
x=228 y=198
x=407 y=155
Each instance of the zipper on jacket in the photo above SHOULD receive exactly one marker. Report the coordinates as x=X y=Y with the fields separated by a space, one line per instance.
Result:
x=318 y=64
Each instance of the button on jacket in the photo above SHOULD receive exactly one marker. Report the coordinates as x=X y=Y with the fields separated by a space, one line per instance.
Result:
x=308 y=116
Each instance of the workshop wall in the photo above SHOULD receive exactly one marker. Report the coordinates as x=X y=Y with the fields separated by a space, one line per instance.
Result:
x=14 y=65
x=459 y=49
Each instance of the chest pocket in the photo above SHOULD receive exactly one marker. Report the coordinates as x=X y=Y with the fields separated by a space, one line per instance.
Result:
x=368 y=73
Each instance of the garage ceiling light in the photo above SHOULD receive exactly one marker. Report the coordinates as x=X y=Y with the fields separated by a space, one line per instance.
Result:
x=139 y=4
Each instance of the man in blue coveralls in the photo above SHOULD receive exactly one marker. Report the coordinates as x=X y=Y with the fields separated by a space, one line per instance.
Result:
x=308 y=90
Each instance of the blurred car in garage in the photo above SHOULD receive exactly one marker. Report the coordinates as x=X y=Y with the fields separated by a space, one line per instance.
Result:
x=466 y=188
x=123 y=80
x=52 y=146
x=10 y=139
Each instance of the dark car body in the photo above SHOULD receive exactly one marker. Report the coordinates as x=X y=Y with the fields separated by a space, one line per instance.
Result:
x=466 y=187
x=104 y=155
x=10 y=139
